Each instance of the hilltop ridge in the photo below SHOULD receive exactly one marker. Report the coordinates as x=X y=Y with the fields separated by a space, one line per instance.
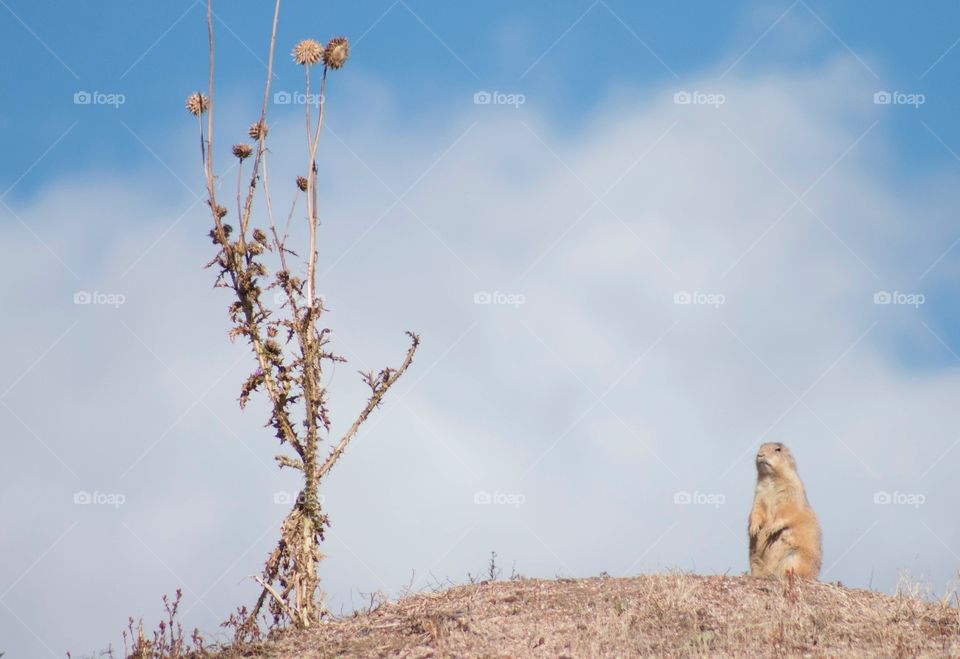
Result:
x=649 y=615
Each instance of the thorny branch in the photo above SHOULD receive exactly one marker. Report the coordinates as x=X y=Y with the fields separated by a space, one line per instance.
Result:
x=379 y=386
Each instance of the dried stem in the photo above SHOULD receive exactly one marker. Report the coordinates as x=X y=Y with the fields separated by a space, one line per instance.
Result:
x=312 y=186
x=248 y=205
x=209 y=160
x=268 y=588
x=239 y=180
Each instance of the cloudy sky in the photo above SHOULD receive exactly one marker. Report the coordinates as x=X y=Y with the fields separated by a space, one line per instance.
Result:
x=637 y=242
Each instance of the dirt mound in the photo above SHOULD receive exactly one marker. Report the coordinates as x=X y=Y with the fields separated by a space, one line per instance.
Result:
x=654 y=615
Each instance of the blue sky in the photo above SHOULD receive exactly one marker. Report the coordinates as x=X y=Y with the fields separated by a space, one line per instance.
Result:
x=567 y=58
x=438 y=53
x=597 y=395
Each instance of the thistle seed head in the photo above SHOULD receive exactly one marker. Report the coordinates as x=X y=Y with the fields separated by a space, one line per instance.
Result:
x=336 y=53
x=257 y=130
x=197 y=103
x=242 y=151
x=307 y=52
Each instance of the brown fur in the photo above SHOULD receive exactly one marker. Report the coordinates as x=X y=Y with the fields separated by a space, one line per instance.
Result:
x=784 y=533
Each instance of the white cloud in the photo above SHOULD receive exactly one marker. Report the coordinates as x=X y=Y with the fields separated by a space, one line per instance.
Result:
x=507 y=401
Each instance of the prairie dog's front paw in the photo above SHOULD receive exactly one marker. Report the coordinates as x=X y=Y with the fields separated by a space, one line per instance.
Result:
x=756 y=523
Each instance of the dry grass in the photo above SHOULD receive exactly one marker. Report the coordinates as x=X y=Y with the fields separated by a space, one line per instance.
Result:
x=654 y=615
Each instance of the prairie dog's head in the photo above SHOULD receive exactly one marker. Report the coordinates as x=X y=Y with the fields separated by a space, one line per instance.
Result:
x=774 y=458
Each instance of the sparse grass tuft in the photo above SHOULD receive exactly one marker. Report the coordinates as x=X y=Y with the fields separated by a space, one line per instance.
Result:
x=168 y=641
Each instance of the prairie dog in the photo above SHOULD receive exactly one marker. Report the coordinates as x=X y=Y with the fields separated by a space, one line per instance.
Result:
x=784 y=533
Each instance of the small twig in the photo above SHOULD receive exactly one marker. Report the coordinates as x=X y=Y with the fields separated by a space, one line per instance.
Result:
x=293 y=208
x=273 y=227
x=267 y=587
x=239 y=183
x=371 y=405
x=286 y=461
x=203 y=145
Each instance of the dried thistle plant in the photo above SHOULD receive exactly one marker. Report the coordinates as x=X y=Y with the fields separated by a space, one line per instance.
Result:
x=289 y=346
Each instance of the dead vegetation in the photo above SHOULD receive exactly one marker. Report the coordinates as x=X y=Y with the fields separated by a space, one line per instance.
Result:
x=652 y=615
x=291 y=345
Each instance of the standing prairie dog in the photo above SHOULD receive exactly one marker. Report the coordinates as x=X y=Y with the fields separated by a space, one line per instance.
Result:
x=784 y=533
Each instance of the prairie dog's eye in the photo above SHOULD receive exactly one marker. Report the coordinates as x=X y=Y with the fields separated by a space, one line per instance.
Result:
x=779 y=448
